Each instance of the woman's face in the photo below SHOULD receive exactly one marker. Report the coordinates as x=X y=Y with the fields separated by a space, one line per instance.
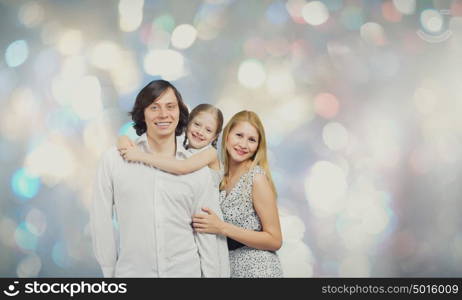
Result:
x=242 y=142
x=202 y=130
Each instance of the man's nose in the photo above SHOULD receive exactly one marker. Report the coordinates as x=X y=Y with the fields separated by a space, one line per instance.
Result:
x=162 y=112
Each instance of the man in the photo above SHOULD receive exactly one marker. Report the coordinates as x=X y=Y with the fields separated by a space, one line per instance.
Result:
x=154 y=209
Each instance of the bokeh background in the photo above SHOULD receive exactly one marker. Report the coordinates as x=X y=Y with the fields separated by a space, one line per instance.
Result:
x=361 y=101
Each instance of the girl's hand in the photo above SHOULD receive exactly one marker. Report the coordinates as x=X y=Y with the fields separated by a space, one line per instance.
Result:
x=123 y=142
x=208 y=223
x=132 y=154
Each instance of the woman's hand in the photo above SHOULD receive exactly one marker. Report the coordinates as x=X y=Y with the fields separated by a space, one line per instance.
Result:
x=132 y=154
x=208 y=223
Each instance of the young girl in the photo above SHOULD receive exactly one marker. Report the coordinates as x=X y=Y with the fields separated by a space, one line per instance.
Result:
x=203 y=129
x=247 y=200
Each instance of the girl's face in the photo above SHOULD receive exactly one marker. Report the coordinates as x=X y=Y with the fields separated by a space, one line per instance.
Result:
x=242 y=142
x=201 y=130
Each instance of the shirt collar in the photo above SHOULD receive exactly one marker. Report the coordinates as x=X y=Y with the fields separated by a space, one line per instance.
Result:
x=181 y=152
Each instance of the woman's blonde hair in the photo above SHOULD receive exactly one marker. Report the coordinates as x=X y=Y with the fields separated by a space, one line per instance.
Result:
x=260 y=157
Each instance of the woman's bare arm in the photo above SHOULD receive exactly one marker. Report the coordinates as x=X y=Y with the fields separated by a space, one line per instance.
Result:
x=264 y=200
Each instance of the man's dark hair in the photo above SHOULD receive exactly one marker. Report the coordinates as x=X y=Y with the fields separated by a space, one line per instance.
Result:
x=147 y=96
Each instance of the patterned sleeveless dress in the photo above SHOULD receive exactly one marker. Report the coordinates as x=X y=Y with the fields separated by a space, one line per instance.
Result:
x=237 y=208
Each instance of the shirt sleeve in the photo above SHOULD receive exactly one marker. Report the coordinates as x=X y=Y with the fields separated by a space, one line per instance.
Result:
x=101 y=214
x=213 y=249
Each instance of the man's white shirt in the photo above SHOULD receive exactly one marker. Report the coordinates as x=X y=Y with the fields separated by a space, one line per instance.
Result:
x=154 y=212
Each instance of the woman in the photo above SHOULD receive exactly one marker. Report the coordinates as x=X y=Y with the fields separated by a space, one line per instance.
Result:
x=247 y=200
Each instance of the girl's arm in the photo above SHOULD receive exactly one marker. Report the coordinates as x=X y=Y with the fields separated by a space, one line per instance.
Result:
x=264 y=201
x=124 y=142
x=170 y=164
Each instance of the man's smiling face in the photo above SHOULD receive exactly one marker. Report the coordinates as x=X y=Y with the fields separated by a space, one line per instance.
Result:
x=162 y=115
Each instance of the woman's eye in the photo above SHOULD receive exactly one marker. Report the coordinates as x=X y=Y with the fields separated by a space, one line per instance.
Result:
x=209 y=131
x=239 y=134
x=154 y=107
x=252 y=140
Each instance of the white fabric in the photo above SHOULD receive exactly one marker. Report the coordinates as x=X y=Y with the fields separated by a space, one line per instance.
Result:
x=217 y=177
x=154 y=211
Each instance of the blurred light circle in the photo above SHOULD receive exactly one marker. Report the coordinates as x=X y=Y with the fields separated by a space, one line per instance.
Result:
x=390 y=13
x=70 y=42
x=295 y=7
x=296 y=257
x=51 y=161
x=51 y=32
x=326 y=105
x=431 y=20
x=376 y=220
x=373 y=33
x=126 y=75
x=165 y=22
x=277 y=13
x=24 y=238
x=315 y=13
x=60 y=89
x=251 y=74
x=425 y=100
x=335 y=136
x=24 y=184
x=130 y=22
x=60 y=255
x=352 y=17
x=406 y=7
x=98 y=134
x=334 y=5
x=29 y=266
x=73 y=67
x=168 y=64
x=183 y=36
x=31 y=14
x=86 y=98
x=16 y=53
x=130 y=14
x=326 y=187
x=36 y=222
x=106 y=55
x=209 y=20
x=128 y=130
x=21 y=115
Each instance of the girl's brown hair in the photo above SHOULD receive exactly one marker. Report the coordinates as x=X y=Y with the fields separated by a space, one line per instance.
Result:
x=205 y=107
